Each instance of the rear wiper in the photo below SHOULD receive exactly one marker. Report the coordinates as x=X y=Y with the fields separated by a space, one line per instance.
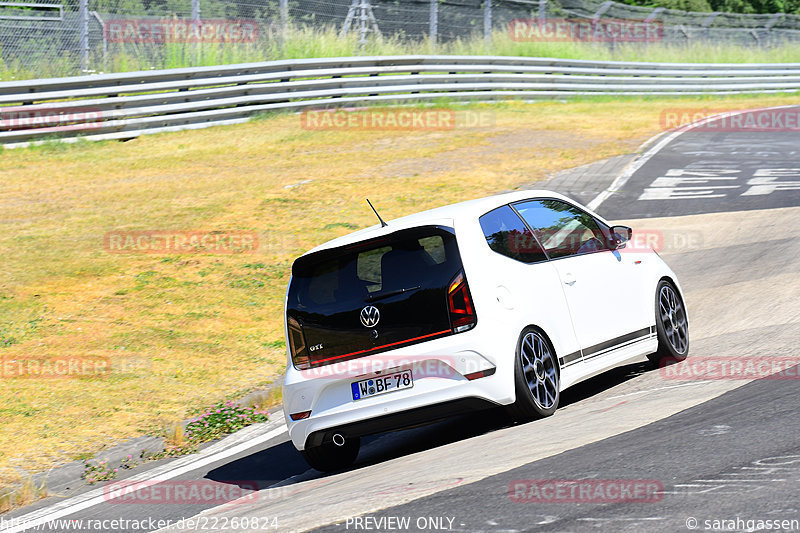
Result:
x=383 y=295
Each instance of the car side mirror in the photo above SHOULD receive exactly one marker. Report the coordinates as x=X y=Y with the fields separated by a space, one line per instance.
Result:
x=619 y=237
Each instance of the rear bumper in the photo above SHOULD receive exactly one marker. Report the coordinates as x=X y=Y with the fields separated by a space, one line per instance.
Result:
x=440 y=389
x=401 y=420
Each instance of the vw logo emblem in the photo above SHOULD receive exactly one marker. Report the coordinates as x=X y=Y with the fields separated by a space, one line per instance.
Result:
x=370 y=316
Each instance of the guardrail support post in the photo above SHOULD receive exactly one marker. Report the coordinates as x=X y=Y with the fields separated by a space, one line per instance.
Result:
x=195 y=10
x=542 y=10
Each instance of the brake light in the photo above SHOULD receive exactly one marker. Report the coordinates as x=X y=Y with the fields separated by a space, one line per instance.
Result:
x=462 y=312
x=302 y=415
x=297 y=344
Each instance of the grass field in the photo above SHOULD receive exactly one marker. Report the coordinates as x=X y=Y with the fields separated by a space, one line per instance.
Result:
x=305 y=42
x=184 y=331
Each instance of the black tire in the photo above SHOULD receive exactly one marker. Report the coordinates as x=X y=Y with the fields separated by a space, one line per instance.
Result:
x=327 y=457
x=537 y=377
x=672 y=325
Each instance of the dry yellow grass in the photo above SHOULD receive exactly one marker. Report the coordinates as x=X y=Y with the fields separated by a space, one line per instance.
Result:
x=26 y=492
x=195 y=329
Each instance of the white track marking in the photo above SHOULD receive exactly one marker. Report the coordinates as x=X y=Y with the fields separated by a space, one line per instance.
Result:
x=171 y=470
x=631 y=168
x=637 y=163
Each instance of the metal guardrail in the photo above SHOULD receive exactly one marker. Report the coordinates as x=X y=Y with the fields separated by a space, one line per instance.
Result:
x=123 y=106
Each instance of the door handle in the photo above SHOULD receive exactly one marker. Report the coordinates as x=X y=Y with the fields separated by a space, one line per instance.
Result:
x=569 y=279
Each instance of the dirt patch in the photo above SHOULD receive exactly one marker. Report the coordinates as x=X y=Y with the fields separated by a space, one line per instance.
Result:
x=523 y=143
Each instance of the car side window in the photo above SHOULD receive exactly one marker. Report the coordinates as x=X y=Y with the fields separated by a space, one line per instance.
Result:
x=562 y=228
x=507 y=235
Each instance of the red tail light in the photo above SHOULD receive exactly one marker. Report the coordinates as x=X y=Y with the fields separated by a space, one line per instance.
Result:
x=297 y=344
x=481 y=374
x=462 y=312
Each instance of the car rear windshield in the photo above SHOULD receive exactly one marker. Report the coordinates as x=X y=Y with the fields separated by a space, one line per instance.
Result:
x=408 y=260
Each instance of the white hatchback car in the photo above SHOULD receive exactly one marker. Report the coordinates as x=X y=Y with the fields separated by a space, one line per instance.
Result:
x=501 y=301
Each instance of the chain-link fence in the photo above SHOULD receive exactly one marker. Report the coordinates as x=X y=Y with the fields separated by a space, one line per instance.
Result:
x=81 y=35
x=687 y=26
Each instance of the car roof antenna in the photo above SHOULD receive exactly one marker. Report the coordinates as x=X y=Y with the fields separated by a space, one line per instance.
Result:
x=383 y=224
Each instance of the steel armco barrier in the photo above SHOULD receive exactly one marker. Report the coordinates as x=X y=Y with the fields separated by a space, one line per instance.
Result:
x=123 y=106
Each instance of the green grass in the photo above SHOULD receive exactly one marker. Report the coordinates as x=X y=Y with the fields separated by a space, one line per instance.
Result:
x=194 y=329
x=307 y=42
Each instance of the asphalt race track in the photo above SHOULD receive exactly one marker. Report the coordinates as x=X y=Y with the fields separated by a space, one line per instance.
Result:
x=713 y=169
x=700 y=449
x=734 y=456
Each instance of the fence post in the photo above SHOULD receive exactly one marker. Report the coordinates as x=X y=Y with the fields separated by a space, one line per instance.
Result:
x=487 y=20
x=707 y=23
x=768 y=26
x=433 y=25
x=542 y=10
x=195 y=10
x=653 y=14
x=284 y=9
x=362 y=23
x=105 y=38
x=599 y=13
x=83 y=21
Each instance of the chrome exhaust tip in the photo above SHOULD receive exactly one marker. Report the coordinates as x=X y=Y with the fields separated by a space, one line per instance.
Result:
x=338 y=439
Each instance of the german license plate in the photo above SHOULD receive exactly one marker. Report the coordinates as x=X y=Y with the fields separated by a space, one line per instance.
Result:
x=367 y=388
